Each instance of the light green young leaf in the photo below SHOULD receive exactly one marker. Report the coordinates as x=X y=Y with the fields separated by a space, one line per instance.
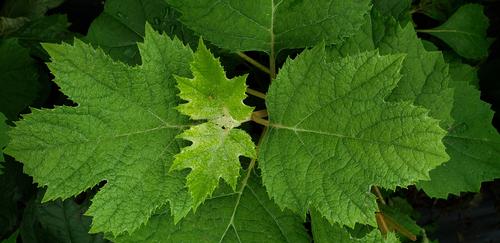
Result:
x=472 y=143
x=122 y=132
x=465 y=32
x=210 y=95
x=324 y=232
x=216 y=146
x=272 y=25
x=342 y=137
x=214 y=154
x=244 y=216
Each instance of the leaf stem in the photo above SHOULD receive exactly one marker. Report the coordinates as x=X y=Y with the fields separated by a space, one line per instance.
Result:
x=380 y=198
x=256 y=93
x=260 y=121
x=253 y=62
x=381 y=223
x=260 y=114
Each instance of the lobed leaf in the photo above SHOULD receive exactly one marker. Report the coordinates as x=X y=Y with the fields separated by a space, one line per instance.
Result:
x=122 y=132
x=472 y=142
x=342 y=137
x=244 y=216
x=272 y=25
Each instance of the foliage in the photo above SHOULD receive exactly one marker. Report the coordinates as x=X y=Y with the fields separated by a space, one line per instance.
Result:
x=157 y=140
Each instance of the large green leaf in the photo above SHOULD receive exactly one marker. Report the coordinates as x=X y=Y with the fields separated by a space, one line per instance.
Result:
x=465 y=32
x=332 y=136
x=272 y=25
x=472 y=142
x=121 y=25
x=243 y=216
x=18 y=78
x=122 y=132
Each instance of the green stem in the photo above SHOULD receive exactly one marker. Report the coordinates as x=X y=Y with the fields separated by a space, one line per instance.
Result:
x=256 y=93
x=254 y=62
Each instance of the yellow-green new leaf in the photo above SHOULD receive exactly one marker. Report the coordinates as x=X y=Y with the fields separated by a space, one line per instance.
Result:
x=210 y=95
x=214 y=154
x=216 y=146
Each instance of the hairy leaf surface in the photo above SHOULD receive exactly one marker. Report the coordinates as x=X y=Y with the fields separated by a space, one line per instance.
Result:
x=244 y=216
x=465 y=32
x=122 y=132
x=472 y=143
x=342 y=137
x=272 y=25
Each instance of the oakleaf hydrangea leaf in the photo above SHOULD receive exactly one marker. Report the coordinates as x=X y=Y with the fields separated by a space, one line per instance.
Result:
x=122 y=132
x=247 y=215
x=272 y=25
x=210 y=95
x=216 y=146
x=472 y=143
x=4 y=139
x=332 y=136
x=214 y=154
x=465 y=32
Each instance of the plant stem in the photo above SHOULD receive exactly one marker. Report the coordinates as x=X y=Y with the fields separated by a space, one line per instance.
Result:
x=379 y=195
x=260 y=114
x=260 y=121
x=254 y=62
x=256 y=93
x=381 y=223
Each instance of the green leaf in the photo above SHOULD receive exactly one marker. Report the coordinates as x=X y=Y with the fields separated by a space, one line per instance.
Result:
x=342 y=137
x=244 y=216
x=210 y=95
x=425 y=75
x=4 y=139
x=465 y=32
x=122 y=132
x=16 y=189
x=324 y=232
x=272 y=25
x=439 y=9
x=121 y=25
x=28 y=8
x=58 y=221
x=216 y=145
x=398 y=9
x=472 y=143
x=18 y=77
x=425 y=78
x=213 y=155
